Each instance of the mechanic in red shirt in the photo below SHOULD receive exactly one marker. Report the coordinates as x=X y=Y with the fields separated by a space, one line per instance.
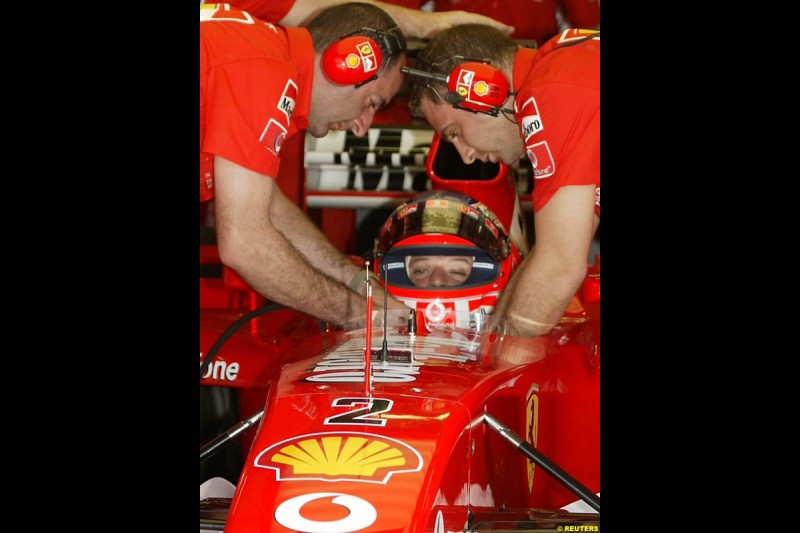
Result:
x=514 y=101
x=259 y=84
x=412 y=21
x=536 y=20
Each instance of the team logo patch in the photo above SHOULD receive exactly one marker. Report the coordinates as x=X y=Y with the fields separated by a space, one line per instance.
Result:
x=286 y=103
x=574 y=34
x=469 y=211
x=352 y=60
x=531 y=121
x=406 y=211
x=273 y=136
x=481 y=88
x=532 y=431
x=223 y=12
x=207 y=170
x=541 y=160
x=488 y=223
x=367 y=57
x=435 y=311
x=464 y=82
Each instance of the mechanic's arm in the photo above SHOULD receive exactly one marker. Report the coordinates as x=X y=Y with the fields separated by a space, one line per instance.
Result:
x=412 y=22
x=306 y=237
x=250 y=242
x=540 y=291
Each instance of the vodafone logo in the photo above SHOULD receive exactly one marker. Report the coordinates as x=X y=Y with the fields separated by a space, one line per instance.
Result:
x=541 y=159
x=273 y=136
x=291 y=515
x=435 y=312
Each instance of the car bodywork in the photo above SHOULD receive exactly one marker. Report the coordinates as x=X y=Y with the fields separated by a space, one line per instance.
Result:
x=441 y=429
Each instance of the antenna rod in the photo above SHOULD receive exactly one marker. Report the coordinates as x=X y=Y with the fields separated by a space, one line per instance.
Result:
x=368 y=343
x=385 y=348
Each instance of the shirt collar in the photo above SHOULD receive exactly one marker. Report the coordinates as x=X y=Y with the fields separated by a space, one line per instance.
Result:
x=301 y=50
x=523 y=63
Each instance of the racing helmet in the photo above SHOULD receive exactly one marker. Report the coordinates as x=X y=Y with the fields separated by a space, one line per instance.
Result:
x=446 y=255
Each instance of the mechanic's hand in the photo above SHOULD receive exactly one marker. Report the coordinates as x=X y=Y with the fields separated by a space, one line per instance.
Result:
x=379 y=295
x=385 y=300
x=395 y=317
x=511 y=350
x=424 y=24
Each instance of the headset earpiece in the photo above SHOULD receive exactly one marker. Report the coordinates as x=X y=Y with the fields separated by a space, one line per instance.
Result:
x=356 y=58
x=473 y=86
x=353 y=60
x=477 y=87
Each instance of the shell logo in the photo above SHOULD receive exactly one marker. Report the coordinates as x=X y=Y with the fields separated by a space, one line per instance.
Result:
x=352 y=60
x=481 y=88
x=339 y=457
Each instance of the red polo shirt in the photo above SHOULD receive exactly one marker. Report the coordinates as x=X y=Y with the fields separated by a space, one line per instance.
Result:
x=558 y=110
x=269 y=10
x=532 y=19
x=255 y=90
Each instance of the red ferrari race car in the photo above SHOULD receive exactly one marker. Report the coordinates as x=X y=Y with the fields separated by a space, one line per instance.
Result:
x=431 y=422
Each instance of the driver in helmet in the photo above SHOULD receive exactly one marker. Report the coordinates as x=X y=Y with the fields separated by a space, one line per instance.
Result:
x=438 y=270
x=447 y=256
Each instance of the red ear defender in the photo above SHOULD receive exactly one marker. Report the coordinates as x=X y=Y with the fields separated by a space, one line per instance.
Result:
x=352 y=60
x=477 y=86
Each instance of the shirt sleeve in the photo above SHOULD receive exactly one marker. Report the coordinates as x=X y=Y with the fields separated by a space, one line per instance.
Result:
x=560 y=125
x=245 y=125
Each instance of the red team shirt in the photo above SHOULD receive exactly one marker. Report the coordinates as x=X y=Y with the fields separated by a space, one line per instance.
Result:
x=532 y=19
x=271 y=10
x=558 y=109
x=255 y=90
